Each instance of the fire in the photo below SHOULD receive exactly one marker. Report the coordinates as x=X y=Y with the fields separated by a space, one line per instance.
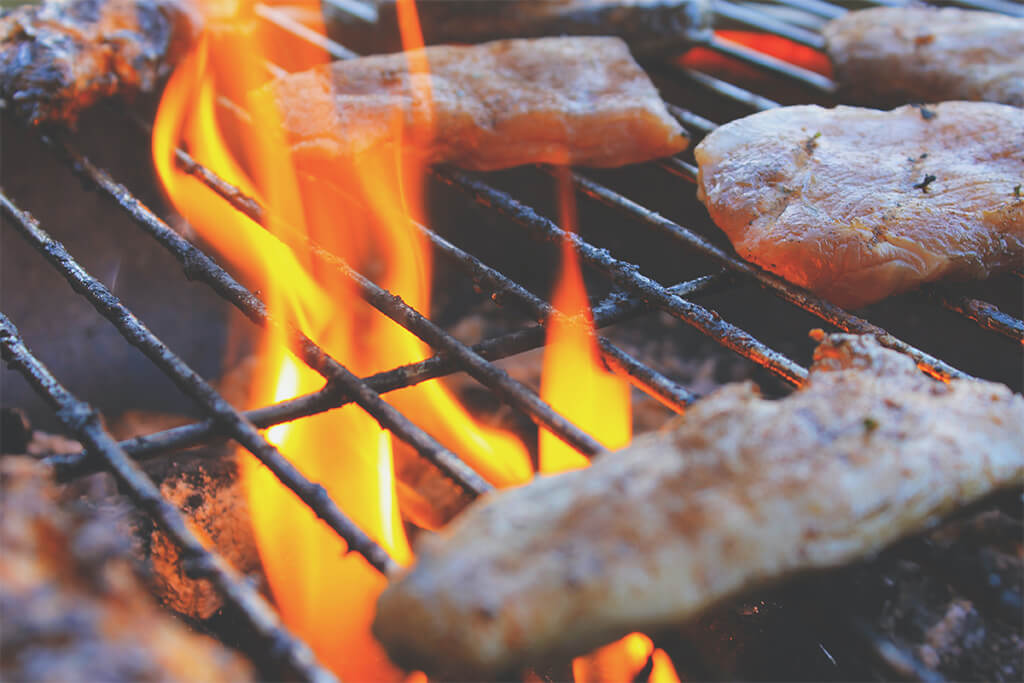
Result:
x=575 y=383
x=325 y=597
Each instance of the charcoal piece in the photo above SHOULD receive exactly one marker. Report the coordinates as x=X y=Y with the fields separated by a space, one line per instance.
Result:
x=58 y=58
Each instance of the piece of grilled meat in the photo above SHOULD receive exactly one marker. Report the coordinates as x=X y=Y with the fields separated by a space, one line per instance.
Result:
x=888 y=56
x=73 y=607
x=575 y=100
x=648 y=26
x=857 y=204
x=739 y=493
x=58 y=58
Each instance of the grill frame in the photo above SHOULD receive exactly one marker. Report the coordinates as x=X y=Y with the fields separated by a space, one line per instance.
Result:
x=634 y=294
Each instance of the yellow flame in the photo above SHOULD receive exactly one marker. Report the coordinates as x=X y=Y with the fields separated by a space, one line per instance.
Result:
x=325 y=597
x=575 y=383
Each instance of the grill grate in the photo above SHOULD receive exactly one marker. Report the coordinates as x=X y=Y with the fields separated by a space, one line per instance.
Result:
x=633 y=294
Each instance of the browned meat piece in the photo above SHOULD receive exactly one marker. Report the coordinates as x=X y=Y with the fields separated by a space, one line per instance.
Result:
x=857 y=204
x=550 y=100
x=58 y=58
x=892 y=55
x=73 y=608
x=647 y=25
x=741 y=492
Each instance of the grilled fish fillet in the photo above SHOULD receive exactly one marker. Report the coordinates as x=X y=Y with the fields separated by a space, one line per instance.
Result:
x=58 y=58
x=892 y=55
x=857 y=204
x=551 y=100
x=646 y=25
x=741 y=492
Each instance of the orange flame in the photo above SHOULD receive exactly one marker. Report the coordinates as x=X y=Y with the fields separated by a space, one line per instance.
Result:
x=575 y=384
x=325 y=597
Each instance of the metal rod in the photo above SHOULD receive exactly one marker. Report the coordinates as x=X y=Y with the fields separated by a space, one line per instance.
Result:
x=392 y=305
x=243 y=431
x=199 y=266
x=826 y=10
x=755 y=19
x=789 y=292
x=985 y=314
x=691 y=120
x=669 y=393
x=296 y=28
x=1001 y=6
x=627 y=275
x=811 y=79
x=84 y=422
x=725 y=88
x=614 y=309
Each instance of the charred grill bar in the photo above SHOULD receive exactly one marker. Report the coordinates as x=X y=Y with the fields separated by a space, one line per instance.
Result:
x=637 y=294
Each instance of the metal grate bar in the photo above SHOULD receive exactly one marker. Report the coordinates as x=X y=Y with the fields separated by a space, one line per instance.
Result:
x=194 y=386
x=627 y=276
x=199 y=266
x=795 y=295
x=725 y=88
x=282 y=20
x=394 y=307
x=671 y=394
x=691 y=120
x=987 y=315
x=811 y=79
x=759 y=20
x=85 y=423
x=655 y=384
x=826 y=10
x=616 y=308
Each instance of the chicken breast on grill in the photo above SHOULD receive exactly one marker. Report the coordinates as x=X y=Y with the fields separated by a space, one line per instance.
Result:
x=574 y=100
x=892 y=55
x=741 y=492
x=857 y=204
x=58 y=58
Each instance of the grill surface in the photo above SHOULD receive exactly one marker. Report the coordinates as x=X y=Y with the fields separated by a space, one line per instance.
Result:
x=641 y=208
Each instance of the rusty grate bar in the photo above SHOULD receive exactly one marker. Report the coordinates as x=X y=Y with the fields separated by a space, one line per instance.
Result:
x=392 y=305
x=986 y=315
x=194 y=386
x=199 y=266
x=627 y=276
x=85 y=423
x=616 y=308
x=795 y=295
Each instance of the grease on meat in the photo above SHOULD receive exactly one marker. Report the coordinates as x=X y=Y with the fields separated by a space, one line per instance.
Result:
x=575 y=100
x=857 y=204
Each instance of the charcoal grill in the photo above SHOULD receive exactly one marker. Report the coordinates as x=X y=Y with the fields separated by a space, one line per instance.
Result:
x=985 y=339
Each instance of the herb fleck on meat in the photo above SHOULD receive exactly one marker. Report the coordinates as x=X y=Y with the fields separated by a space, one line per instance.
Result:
x=923 y=185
